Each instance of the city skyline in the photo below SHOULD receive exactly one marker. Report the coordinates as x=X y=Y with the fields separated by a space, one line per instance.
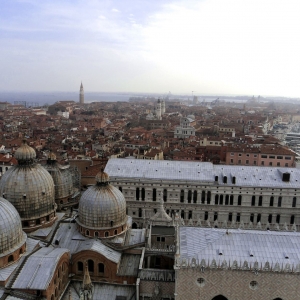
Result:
x=210 y=47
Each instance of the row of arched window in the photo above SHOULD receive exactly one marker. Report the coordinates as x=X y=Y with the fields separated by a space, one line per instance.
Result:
x=91 y=267
x=193 y=197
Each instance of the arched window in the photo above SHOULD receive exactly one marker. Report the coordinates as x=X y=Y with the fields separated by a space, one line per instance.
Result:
x=208 y=197
x=10 y=258
x=240 y=200
x=96 y=233
x=294 y=202
x=80 y=266
x=253 y=201
x=137 y=193
x=195 y=197
x=140 y=212
x=279 y=201
x=270 y=219
x=271 y=201
x=278 y=219
x=226 y=199
x=182 y=196
x=91 y=265
x=252 y=218
x=292 y=221
x=189 y=196
x=215 y=216
x=231 y=199
x=100 y=268
x=221 y=199
x=258 y=218
x=120 y=189
x=216 y=199
x=106 y=234
x=143 y=194
x=116 y=232
x=219 y=297
x=111 y=223
x=260 y=201
x=165 y=195
x=134 y=226
x=230 y=217
x=182 y=214
x=87 y=232
x=206 y=215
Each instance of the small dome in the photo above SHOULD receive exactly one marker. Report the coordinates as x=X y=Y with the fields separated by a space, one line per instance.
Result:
x=11 y=235
x=25 y=153
x=102 y=177
x=102 y=205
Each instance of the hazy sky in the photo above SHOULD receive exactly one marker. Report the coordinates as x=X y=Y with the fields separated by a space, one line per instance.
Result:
x=210 y=46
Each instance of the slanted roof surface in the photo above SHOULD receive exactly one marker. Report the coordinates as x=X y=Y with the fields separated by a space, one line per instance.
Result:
x=39 y=269
x=201 y=172
x=265 y=246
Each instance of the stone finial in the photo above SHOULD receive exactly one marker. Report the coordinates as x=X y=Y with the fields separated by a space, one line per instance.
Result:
x=258 y=225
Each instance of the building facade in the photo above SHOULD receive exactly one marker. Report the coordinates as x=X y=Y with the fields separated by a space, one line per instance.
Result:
x=217 y=195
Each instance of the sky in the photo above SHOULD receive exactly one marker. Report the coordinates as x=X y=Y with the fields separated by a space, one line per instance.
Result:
x=237 y=47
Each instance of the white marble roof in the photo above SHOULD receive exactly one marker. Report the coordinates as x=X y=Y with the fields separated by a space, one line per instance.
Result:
x=201 y=172
x=240 y=245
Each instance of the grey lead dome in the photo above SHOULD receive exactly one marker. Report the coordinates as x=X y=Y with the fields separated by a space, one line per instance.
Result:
x=11 y=235
x=102 y=205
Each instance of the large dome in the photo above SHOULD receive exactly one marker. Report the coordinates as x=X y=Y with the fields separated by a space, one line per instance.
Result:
x=102 y=205
x=11 y=235
x=30 y=188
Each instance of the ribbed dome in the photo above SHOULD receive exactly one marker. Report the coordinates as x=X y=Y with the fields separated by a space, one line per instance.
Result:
x=62 y=177
x=11 y=235
x=30 y=188
x=102 y=205
x=25 y=153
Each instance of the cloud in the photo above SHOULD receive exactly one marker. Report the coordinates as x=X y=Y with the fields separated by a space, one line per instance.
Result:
x=115 y=10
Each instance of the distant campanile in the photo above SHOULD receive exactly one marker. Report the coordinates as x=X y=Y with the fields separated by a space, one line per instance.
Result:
x=81 y=94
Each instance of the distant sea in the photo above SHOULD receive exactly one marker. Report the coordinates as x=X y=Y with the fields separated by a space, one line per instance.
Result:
x=50 y=98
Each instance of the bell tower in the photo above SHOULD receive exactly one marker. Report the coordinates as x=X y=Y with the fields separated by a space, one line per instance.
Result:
x=81 y=94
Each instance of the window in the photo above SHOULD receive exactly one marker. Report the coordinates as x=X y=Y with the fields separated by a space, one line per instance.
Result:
x=120 y=189
x=143 y=194
x=158 y=238
x=137 y=193
x=238 y=217
x=260 y=201
x=239 y=162
x=226 y=199
x=87 y=232
x=91 y=265
x=279 y=201
x=254 y=162
x=208 y=197
x=252 y=218
x=154 y=195
x=190 y=214
x=279 y=157
x=231 y=160
x=182 y=196
x=262 y=163
x=264 y=156
x=270 y=219
x=294 y=202
x=292 y=221
x=255 y=155
x=278 y=219
x=230 y=217
x=215 y=216
x=253 y=201
x=247 y=162
x=100 y=268
x=271 y=156
x=221 y=199
x=288 y=158
x=271 y=201
x=278 y=164
x=240 y=154
x=189 y=196
x=206 y=216
x=195 y=197
x=80 y=266
x=232 y=154
x=216 y=199
x=270 y=164
x=258 y=218
x=240 y=200
x=231 y=199
x=106 y=234
x=165 y=195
